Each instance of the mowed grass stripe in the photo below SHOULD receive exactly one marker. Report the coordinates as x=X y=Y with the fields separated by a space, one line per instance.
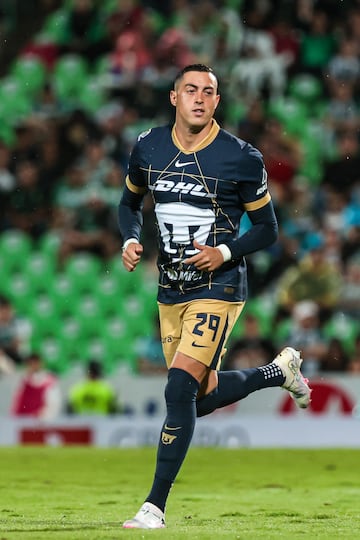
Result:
x=79 y=493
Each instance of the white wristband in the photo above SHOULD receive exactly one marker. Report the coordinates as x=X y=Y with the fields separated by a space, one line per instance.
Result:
x=130 y=241
x=225 y=252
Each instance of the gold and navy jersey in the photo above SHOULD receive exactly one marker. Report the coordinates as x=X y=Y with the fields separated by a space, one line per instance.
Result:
x=198 y=195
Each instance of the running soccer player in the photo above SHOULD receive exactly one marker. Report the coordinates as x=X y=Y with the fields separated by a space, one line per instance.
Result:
x=202 y=180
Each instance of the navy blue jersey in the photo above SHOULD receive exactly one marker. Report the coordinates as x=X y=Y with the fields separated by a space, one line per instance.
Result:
x=199 y=195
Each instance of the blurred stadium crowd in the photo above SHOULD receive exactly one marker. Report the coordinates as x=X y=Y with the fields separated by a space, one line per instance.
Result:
x=73 y=99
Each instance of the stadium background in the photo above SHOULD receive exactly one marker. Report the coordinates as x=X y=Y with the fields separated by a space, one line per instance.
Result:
x=80 y=79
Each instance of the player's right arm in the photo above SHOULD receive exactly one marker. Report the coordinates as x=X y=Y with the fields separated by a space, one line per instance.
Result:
x=130 y=213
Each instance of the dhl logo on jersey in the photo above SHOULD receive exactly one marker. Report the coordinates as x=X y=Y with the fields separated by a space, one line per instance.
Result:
x=185 y=188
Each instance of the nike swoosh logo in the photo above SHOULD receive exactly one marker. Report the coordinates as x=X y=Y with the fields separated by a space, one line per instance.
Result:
x=194 y=344
x=179 y=164
x=171 y=428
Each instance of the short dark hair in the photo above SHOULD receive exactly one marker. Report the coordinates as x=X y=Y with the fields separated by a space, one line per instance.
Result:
x=94 y=369
x=4 y=301
x=194 y=67
x=33 y=356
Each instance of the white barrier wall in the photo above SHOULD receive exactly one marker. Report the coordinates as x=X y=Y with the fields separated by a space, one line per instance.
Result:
x=267 y=418
x=229 y=432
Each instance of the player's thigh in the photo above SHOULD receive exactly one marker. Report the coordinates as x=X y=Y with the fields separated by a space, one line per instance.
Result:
x=182 y=325
x=170 y=316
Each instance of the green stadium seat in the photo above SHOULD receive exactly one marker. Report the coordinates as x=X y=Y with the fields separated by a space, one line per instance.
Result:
x=102 y=66
x=49 y=244
x=93 y=95
x=55 y=355
x=89 y=313
x=15 y=246
x=136 y=313
x=291 y=112
x=281 y=332
x=44 y=316
x=70 y=77
x=30 y=72
x=305 y=87
x=55 y=26
x=7 y=131
x=264 y=313
x=39 y=270
x=70 y=331
x=64 y=293
x=345 y=328
x=120 y=340
x=129 y=282
x=108 y=292
x=84 y=271
x=16 y=105
x=18 y=288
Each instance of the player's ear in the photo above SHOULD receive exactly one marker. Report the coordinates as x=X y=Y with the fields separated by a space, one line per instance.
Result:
x=217 y=100
x=173 y=97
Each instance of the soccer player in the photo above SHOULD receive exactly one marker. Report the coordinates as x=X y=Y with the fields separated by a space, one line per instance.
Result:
x=202 y=180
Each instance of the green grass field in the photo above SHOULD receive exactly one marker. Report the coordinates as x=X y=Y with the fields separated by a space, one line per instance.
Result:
x=86 y=493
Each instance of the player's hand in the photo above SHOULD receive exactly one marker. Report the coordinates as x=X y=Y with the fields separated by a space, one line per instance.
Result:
x=208 y=259
x=131 y=256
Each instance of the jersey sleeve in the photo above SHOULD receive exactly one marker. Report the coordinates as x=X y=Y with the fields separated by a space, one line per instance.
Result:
x=257 y=203
x=253 y=184
x=130 y=217
x=135 y=178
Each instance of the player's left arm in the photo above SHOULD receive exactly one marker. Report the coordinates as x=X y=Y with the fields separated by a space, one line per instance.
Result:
x=263 y=233
x=257 y=203
x=259 y=207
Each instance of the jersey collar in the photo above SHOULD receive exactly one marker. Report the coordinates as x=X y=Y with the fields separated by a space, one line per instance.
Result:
x=215 y=128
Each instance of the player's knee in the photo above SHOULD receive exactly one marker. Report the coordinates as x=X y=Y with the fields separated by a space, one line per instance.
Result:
x=207 y=404
x=181 y=386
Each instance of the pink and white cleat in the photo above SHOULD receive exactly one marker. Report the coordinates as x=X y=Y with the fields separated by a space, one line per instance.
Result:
x=148 y=517
x=289 y=361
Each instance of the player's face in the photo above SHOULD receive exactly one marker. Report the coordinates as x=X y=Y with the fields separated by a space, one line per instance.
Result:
x=195 y=98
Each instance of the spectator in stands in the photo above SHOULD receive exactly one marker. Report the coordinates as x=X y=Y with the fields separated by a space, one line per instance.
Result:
x=38 y=394
x=341 y=112
x=312 y=278
x=305 y=334
x=345 y=64
x=7 y=182
x=250 y=350
x=349 y=301
x=7 y=366
x=14 y=332
x=252 y=123
x=129 y=59
x=352 y=22
x=317 y=44
x=283 y=256
x=341 y=171
x=84 y=216
x=354 y=362
x=82 y=29
x=200 y=23
x=110 y=119
x=282 y=157
x=286 y=40
x=29 y=208
x=94 y=395
x=259 y=71
x=150 y=356
x=336 y=357
x=95 y=162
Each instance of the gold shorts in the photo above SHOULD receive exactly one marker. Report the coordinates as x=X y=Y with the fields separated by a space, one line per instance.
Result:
x=199 y=329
